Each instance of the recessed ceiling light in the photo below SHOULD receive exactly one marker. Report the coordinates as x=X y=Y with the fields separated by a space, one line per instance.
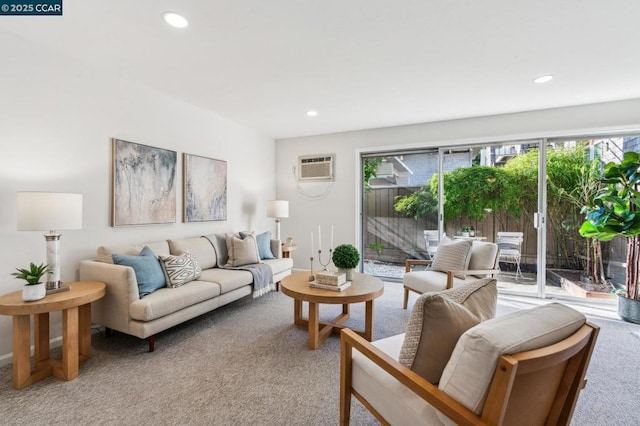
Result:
x=312 y=113
x=543 y=79
x=175 y=19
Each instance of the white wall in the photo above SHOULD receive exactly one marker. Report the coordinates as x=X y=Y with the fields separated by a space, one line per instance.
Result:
x=57 y=118
x=341 y=205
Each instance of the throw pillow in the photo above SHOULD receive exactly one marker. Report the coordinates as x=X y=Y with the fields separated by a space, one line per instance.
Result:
x=147 y=268
x=439 y=319
x=452 y=255
x=242 y=251
x=179 y=270
x=219 y=243
x=264 y=244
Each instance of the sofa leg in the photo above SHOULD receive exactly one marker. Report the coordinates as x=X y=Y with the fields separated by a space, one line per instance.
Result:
x=108 y=332
x=152 y=343
x=277 y=285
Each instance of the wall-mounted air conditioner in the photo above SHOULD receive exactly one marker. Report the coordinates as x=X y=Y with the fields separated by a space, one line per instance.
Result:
x=316 y=167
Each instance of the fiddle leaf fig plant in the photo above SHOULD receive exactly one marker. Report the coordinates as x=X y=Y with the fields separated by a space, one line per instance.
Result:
x=615 y=211
x=346 y=256
x=32 y=275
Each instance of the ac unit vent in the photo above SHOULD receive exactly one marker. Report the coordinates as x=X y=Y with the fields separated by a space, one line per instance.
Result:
x=316 y=167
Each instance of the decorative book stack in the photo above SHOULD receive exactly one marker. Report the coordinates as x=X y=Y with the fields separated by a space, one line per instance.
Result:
x=330 y=280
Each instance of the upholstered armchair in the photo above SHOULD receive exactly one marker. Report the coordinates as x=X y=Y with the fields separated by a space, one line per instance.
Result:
x=527 y=367
x=454 y=264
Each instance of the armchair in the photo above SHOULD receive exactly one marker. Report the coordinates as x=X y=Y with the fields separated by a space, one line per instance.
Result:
x=454 y=261
x=524 y=368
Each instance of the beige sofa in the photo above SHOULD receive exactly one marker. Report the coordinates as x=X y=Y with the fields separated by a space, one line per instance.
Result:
x=123 y=310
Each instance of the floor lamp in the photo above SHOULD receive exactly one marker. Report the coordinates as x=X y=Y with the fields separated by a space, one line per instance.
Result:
x=278 y=209
x=50 y=211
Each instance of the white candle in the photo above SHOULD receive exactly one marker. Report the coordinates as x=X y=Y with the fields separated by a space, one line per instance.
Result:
x=311 y=243
x=331 y=246
x=319 y=238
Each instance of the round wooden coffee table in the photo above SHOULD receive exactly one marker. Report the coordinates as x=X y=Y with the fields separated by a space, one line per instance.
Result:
x=75 y=305
x=364 y=288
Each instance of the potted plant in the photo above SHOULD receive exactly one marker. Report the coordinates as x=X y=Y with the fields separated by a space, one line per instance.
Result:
x=33 y=289
x=346 y=258
x=465 y=231
x=615 y=211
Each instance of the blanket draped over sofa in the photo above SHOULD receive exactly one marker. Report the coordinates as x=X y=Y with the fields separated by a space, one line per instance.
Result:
x=262 y=277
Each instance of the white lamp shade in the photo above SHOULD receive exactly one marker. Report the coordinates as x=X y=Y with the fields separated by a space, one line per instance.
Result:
x=48 y=211
x=277 y=208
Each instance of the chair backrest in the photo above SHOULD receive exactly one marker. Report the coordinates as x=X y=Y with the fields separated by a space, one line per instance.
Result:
x=539 y=382
x=432 y=239
x=509 y=242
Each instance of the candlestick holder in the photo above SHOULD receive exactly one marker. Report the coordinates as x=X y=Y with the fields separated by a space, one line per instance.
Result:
x=324 y=265
x=311 y=276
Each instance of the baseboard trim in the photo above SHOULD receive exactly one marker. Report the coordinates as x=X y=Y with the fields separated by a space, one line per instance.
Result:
x=8 y=358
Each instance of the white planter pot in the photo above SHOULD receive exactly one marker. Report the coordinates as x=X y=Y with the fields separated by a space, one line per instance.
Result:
x=348 y=273
x=33 y=292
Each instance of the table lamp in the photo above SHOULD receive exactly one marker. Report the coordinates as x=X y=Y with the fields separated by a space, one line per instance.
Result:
x=50 y=211
x=278 y=209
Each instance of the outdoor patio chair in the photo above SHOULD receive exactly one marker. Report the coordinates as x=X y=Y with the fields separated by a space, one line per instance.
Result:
x=453 y=263
x=510 y=245
x=527 y=367
x=431 y=240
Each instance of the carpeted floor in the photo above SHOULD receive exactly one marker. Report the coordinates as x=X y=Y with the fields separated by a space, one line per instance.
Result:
x=246 y=363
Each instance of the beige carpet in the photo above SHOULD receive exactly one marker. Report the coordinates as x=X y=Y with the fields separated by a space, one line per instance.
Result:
x=247 y=364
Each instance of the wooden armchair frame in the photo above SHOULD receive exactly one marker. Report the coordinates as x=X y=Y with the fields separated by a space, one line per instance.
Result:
x=450 y=275
x=541 y=386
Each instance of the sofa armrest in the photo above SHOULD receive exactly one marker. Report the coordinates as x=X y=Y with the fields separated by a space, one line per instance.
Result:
x=276 y=248
x=121 y=290
x=410 y=262
x=431 y=394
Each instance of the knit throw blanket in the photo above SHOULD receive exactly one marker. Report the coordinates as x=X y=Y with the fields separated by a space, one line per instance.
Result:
x=262 y=277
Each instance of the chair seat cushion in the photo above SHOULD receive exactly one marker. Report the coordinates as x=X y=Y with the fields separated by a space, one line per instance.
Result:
x=439 y=319
x=392 y=400
x=467 y=376
x=426 y=281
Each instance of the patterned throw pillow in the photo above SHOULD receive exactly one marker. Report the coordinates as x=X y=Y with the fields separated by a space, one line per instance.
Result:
x=439 y=319
x=452 y=255
x=179 y=270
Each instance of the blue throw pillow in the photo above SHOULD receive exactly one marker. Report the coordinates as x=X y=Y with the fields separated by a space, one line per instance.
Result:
x=264 y=244
x=147 y=267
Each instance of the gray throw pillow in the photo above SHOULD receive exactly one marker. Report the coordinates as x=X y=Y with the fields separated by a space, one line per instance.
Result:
x=439 y=319
x=242 y=251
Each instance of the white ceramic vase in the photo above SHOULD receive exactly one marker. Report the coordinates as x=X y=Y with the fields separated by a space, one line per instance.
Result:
x=348 y=273
x=33 y=292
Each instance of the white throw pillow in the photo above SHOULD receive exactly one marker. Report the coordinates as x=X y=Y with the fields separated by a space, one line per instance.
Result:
x=452 y=255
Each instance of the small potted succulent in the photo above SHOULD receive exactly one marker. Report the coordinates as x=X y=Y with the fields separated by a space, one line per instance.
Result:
x=33 y=289
x=346 y=258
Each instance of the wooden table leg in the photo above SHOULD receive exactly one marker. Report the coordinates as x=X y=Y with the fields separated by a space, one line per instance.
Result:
x=70 y=348
x=313 y=329
x=297 y=313
x=41 y=338
x=368 y=320
x=21 y=351
x=84 y=331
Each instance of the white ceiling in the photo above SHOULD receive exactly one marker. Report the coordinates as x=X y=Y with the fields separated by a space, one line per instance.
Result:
x=359 y=63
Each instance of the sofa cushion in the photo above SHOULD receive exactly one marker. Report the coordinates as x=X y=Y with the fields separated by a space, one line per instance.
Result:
x=452 y=255
x=169 y=300
x=146 y=266
x=264 y=244
x=200 y=247
x=227 y=279
x=104 y=252
x=439 y=319
x=280 y=265
x=467 y=376
x=242 y=251
x=179 y=270
x=483 y=256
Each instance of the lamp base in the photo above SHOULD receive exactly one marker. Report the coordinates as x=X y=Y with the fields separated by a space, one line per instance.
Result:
x=56 y=287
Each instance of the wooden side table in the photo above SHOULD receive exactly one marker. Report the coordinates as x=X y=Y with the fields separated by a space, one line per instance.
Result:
x=287 y=251
x=75 y=305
